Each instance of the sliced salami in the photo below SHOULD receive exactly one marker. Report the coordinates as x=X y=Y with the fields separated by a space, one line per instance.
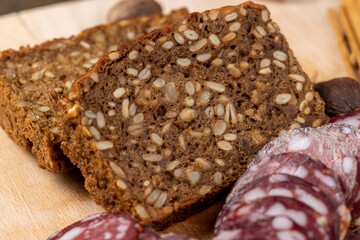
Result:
x=269 y=228
x=304 y=167
x=120 y=226
x=304 y=216
x=286 y=186
x=337 y=146
x=351 y=118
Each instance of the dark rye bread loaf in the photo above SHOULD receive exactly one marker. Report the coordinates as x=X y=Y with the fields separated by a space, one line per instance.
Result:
x=28 y=76
x=166 y=124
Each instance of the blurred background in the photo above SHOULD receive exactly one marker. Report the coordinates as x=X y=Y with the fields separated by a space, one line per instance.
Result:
x=7 y=6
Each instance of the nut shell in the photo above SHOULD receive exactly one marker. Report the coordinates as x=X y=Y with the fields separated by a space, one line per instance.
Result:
x=341 y=95
x=132 y=8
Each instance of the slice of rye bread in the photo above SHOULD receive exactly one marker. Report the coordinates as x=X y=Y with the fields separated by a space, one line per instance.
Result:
x=166 y=124
x=28 y=76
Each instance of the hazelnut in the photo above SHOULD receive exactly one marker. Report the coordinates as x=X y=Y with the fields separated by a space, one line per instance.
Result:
x=132 y=8
x=341 y=95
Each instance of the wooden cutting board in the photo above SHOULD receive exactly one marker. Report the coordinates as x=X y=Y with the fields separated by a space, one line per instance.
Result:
x=35 y=203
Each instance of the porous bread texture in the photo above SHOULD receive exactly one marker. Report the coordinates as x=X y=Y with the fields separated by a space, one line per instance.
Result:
x=29 y=75
x=166 y=124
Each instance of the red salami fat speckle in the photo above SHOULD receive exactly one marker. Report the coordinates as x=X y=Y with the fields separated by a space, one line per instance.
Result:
x=351 y=118
x=286 y=186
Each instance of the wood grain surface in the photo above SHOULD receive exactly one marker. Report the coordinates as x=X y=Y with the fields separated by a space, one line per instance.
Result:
x=35 y=203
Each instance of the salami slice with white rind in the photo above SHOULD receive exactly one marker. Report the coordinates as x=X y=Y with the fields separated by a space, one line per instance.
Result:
x=337 y=146
x=286 y=186
x=270 y=228
x=114 y=226
x=304 y=216
x=119 y=226
x=351 y=118
x=304 y=167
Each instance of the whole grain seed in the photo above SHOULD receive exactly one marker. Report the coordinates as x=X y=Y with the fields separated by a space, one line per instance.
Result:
x=205 y=189
x=94 y=76
x=149 y=48
x=119 y=92
x=280 y=55
x=209 y=112
x=132 y=72
x=234 y=26
x=166 y=128
x=87 y=65
x=265 y=15
x=240 y=117
x=86 y=131
x=157 y=139
x=207 y=131
x=114 y=55
x=217 y=62
x=191 y=35
x=303 y=104
x=153 y=196
x=218 y=178
x=261 y=31
x=183 y=62
x=189 y=87
x=279 y=64
x=100 y=119
x=198 y=45
x=204 y=98
x=300 y=119
x=201 y=162
x=172 y=165
x=130 y=35
x=182 y=142
x=231 y=17
x=148 y=190
x=214 y=40
x=95 y=133
x=217 y=87
x=233 y=71
x=141 y=211
x=103 y=145
x=117 y=169
x=85 y=45
x=316 y=123
x=182 y=28
x=265 y=63
x=159 y=83
x=295 y=125
x=195 y=134
x=151 y=148
x=197 y=86
x=219 y=127
x=297 y=77
x=161 y=200
x=283 y=98
x=168 y=45
x=299 y=86
x=146 y=183
x=203 y=57
x=112 y=104
x=171 y=114
x=178 y=172
x=309 y=96
x=152 y=157
x=213 y=14
x=132 y=109
x=307 y=111
x=170 y=91
x=219 y=110
x=144 y=74
x=220 y=162
x=133 y=55
x=44 y=108
x=138 y=118
x=229 y=37
x=194 y=177
x=178 y=38
x=271 y=28
x=223 y=99
x=54 y=130
x=230 y=137
x=125 y=108
x=243 y=12
x=265 y=71
x=36 y=76
x=120 y=184
x=224 y=145
x=189 y=102
x=49 y=74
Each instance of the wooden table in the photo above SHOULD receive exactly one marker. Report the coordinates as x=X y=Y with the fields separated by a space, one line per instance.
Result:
x=35 y=203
